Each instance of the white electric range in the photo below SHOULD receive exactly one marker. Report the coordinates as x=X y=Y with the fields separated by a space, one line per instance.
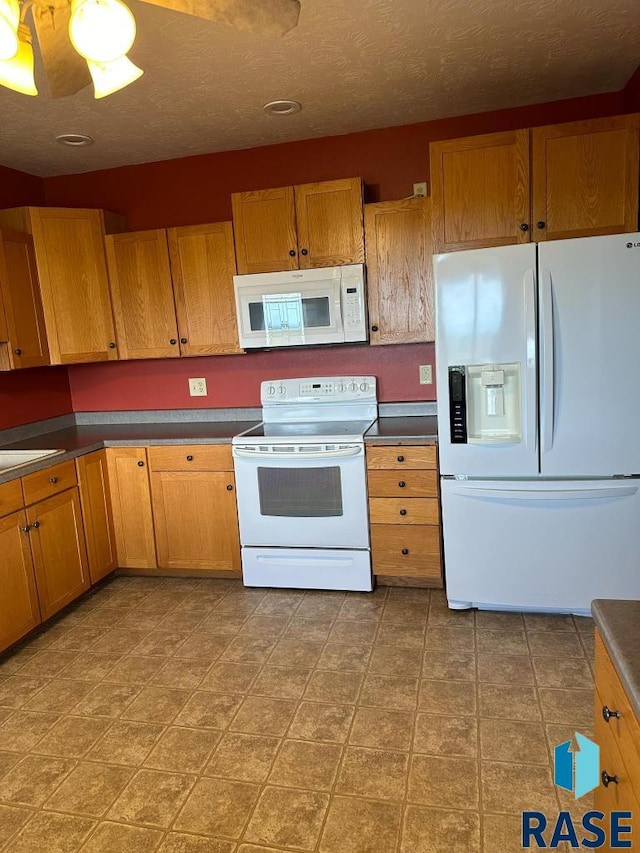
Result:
x=301 y=485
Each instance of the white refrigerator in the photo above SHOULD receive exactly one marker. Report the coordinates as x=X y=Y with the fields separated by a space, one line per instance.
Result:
x=538 y=359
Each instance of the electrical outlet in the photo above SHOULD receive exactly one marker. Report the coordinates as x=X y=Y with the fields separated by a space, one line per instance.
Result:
x=426 y=374
x=420 y=189
x=198 y=387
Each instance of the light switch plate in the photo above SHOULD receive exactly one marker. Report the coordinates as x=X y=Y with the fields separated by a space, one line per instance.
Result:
x=420 y=189
x=198 y=387
x=426 y=374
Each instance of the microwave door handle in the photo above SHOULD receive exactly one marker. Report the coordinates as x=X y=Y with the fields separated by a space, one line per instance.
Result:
x=314 y=454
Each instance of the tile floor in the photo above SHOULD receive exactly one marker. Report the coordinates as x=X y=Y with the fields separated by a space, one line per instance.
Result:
x=186 y=716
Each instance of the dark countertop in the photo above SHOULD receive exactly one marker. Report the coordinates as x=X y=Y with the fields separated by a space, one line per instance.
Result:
x=619 y=626
x=415 y=429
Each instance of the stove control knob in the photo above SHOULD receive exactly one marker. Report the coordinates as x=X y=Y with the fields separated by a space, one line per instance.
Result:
x=364 y=386
x=353 y=386
x=341 y=388
x=282 y=389
x=271 y=390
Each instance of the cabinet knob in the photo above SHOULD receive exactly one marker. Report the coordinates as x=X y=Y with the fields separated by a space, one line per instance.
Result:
x=403 y=512
x=524 y=226
x=141 y=464
x=304 y=252
x=53 y=480
x=112 y=345
x=229 y=488
x=607 y=780
x=36 y=524
x=405 y=551
x=25 y=528
x=173 y=341
x=607 y=713
x=540 y=224
x=402 y=484
x=183 y=340
x=374 y=328
x=400 y=458
x=189 y=458
x=18 y=351
x=292 y=253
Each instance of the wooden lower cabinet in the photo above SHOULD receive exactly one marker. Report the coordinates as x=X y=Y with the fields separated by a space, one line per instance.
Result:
x=131 y=506
x=19 y=609
x=404 y=550
x=100 y=536
x=59 y=551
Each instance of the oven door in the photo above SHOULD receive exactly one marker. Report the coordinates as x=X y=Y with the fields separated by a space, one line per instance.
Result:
x=302 y=496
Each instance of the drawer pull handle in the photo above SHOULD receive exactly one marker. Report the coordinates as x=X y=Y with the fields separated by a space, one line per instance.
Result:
x=141 y=464
x=189 y=458
x=112 y=345
x=403 y=512
x=25 y=528
x=229 y=488
x=607 y=713
x=183 y=340
x=402 y=484
x=607 y=780
x=405 y=551
x=36 y=524
x=53 y=480
x=400 y=458
x=18 y=351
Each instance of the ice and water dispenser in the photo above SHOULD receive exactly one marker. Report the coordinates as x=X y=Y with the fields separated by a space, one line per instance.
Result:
x=484 y=404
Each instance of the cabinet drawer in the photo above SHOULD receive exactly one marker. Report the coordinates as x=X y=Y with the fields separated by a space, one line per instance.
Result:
x=401 y=511
x=404 y=484
x=10 y=497
x=399 y=457
x=625 y=729
x=614 y=797
x=48 y=482
x=420 y=542
x=191 y=457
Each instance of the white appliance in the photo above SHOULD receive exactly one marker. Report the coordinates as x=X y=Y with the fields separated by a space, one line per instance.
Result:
x=301 y=307
x=537 y=352
x=301 y=485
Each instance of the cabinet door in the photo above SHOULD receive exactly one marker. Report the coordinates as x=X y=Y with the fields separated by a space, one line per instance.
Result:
x=19 y=287
x=481 y=191
x=96 y=512
x=585 y=178
x=330 y=223
x=143 y=294
x=202 y=266
x=59 y=552
x=196 y=520
x=19 y=611
x=131 y=505
x=264 y=224
x=399 y=271
x=75 y=288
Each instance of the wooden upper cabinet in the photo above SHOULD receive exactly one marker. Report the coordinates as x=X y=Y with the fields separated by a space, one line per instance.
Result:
x=330 y=227
x=203 y=265
x=19 y=611
x=264 y=223
x=131 y=506
x=399 y=271
x=96 y=512
x=143 y=294
x=69 y=249
x=585 y=178
x=23 y=341
x=480 y=189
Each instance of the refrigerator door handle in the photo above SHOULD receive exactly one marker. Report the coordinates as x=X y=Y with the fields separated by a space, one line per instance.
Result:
x=548 y=369
x=531 y=401
x=550 y=494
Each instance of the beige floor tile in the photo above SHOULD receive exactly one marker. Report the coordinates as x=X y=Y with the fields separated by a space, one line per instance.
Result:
x=90 y=789
x=571 y=707
x=152 y=798
x=264 y=626
x=512 y=702
x=55 y=833
x=401 y=636
x=406 y=612
x=245 y=758
x=48 y=664
x=139 y=620
x=375 y=773
x=17 y=690
x=106 y=700
x=261 y=715
x=117 y=642
x=209 y=710
x=8 y=760
x=207 y=647
x=222 y=623
x=361 y=826
x=549 y=622
x=90 y=667
x=118 y=838
x=278 y=604
x=555 y=644
x=217 y=807
x=501 y=832
x=382 y=691
x=441 y=614
x=281 y=682
x=393 y=660
x=436 y=734
x=436 y=831
x=359 y=633
x=512 y=788
x=23 y=729
x=319 y=608
x=584 y=624
x=135 y=669
x=367 y=609
x=557 y=733
x=72 y=737
x=339 y=688
x=505 y=669
x=11 y=819
x=444 y=782
x=510 y=740
x=509 y=642
x=297 y=653
x=258 y=848
x=344 y=658
x=571 y=673
x=314 y=630
x=376 y=727
x=161 y=643
x=156 y=705
x=492 y=620
x=447 y=697
x=185 y=674
x=305 y=764
x=288 y=817
x=448 y=666
x=227 y=677
x=58 y=696
x=126 y=743
x=588 y=644
x=183 y=750
x=184 y=620
x=441 y=638
x=249 y=649
x=34 y=779
x=327 y=723
x=179 y=842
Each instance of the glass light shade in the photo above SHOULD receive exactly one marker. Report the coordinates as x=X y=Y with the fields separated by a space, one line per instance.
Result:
x=110 y=77
x=9 y=20
x=17 y=73
x=101 y=30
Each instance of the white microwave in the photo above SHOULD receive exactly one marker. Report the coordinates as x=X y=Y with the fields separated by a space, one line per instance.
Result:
x=301 y=307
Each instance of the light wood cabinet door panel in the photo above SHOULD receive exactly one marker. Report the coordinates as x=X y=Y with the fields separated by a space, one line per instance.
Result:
x=131 y=506
x=400 y=457
x=203 y=265
x=399 y=255
x=19 y=610
x=50 y=481
x=329 y=215
x=404 y=550
x=403 y=484
x=59 y=551
x=480 y=189
x=10 y=497
x=264 y=224
x=585 y=178
x=24 y=334
x=401 y=511
x=196 y=520
x=96 y=512
x=142 y=291
x=191 y=457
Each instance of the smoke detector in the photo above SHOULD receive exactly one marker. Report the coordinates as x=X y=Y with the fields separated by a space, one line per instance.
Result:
x=74 y=140
x=282 y=107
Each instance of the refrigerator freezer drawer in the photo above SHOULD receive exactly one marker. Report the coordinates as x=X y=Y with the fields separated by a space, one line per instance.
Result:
x=549 y=546
x=307 y=568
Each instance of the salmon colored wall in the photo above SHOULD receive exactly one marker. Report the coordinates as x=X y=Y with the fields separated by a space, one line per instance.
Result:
x=33 y=395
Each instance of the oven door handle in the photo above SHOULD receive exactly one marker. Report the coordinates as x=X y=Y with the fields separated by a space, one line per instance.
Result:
x=241 y=453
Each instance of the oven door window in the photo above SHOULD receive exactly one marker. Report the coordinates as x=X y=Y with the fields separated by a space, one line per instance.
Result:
x=300 y=492
x=289 y=312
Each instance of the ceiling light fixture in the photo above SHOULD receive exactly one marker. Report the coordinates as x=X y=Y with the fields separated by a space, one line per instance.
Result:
x=110 y=77
x=17 y=73
x=101 y=30
x=9 y=19
x=282 y=107
x=74 y=140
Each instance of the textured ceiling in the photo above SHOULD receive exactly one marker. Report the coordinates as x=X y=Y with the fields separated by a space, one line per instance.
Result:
x=353 y=64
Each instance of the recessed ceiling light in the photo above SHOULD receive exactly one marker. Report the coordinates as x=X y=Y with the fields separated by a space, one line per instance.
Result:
x=282 y=107
x=74 y=140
